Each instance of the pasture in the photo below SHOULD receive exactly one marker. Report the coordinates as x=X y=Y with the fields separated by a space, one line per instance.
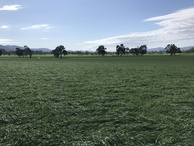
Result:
x=97 y=101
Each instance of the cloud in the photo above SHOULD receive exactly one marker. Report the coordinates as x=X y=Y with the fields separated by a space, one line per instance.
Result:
x=7 y=41
x=4 y=27
x=175 y=28
x=38 y=26
x=11 y=8
x=179 y=21
x=44 y=38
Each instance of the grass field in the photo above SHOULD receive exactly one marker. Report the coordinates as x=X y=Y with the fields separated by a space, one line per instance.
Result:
x=97 y=101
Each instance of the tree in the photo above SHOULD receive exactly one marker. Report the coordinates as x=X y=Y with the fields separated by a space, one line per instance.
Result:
x=19 y=52
x=101 y=50
x=134 y=51
x=59 y=51
x=3 y=51
x=27 y=51
x=120 y=49
x=65 y=52
x=139 y=50
x=172 y=49
x=143 y=49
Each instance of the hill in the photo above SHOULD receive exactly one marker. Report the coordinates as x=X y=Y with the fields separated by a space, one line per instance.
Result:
x=12 y=48
x=155 y=49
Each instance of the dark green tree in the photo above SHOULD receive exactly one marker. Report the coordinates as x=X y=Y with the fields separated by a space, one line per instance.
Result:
x=65 y=52
x=101 y=50
x=143 y=49
x=134 y=51
x=121 y=50
x=59 y=51
x=172 y=49
x=1 y=52
x=139 y=50
x=27 y=51
x=19 y=52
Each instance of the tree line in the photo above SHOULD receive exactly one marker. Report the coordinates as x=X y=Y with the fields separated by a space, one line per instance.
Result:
x=172 y=49
x=57 y=52
x=24 y=52
x=121 y=50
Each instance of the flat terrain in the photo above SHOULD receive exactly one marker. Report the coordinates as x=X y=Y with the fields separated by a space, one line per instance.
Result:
x=97 y=101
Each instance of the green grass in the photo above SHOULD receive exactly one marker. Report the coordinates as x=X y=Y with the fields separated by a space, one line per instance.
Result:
x=97 y=101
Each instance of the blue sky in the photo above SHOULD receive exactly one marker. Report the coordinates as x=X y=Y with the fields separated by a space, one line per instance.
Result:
x=86 y=24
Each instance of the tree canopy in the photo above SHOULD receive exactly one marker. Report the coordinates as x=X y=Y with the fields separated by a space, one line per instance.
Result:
x=139 y=50
x=26 y=51
x=59 y=51
x=172 y=49
x=19 y=52
x=120 y=49
x=101 y=50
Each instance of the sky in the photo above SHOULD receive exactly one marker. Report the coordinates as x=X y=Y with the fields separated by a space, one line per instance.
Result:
x=87 y=24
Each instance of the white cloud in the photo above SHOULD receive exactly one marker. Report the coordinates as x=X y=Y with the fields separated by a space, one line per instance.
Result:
x=10 y=8
x=7 y=41
x=38 y=26
x=4 y=26
x=177 y=27
x=44 y=38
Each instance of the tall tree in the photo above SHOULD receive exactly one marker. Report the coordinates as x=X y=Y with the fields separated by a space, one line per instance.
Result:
x=139 y=50
x=134 y=51
x=143 y=49
x=101 y=50
x=27 y=51
x=172 y=49
x=59 y=51
x=120 y=49
x=1 y=52
x=19 y=52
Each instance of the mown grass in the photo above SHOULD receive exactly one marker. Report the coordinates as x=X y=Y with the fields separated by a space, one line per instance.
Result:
x=97 y=101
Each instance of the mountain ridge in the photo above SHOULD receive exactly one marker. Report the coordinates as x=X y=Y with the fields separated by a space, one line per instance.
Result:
x=12 y=48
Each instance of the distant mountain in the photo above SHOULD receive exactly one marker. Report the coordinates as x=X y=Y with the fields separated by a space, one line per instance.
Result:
x=89 y=51
x=9 y=47
x=41 y=49
x=155 y=49
x=186 y=48
x=12 y=48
